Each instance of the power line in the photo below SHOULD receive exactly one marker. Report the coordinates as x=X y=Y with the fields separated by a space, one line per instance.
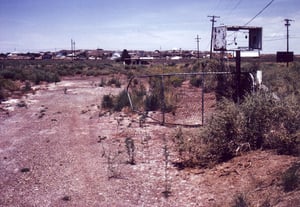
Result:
x=261 y=11
x=275 y=39
x=235 y=6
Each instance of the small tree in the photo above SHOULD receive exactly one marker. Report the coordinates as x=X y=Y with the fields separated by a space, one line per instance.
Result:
x=125 y=57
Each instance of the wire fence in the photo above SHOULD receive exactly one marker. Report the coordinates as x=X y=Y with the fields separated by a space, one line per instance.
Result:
x=186 y=99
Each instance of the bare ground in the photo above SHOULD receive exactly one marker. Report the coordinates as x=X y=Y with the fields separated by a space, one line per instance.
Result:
x=63 y=150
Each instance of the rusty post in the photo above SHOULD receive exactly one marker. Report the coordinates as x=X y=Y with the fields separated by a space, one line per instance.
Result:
x=238 y=75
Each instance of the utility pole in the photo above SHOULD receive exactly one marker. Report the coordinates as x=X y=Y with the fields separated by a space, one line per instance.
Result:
x=198 y=39
x=73 y=48
x=213 y=17
x=287 y=24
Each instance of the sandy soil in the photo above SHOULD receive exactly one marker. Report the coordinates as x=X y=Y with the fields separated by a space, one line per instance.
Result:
x=64 y=150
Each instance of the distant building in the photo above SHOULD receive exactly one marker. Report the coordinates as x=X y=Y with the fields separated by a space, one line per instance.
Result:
x=47 y=56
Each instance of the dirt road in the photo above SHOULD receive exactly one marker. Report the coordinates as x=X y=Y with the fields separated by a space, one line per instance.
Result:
x=62 y=149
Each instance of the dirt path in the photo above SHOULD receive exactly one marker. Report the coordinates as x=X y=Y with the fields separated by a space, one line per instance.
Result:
x=62 y=150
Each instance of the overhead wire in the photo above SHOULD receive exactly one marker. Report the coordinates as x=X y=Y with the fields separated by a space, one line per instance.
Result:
x=261 y=11
x=235 y=6
x=215 y=7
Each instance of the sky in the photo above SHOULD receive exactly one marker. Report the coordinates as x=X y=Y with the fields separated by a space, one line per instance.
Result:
x=49 y=25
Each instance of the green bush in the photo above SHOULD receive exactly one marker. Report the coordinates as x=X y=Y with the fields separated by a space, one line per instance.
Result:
x=2 y=95
x=291 y=178
x=259 y=122
x=115 y=82
x=272 y=124
x=8 y=74
x=283 y=81
x=102 y=83
x=121 y=101
x=176 y=81
x=35 y=75
x=107 y=102
x=116 y=103
x=27 y=87
x=6 y=86
x=138 y=93
x=190 y=149
x=224 y=131
x=240 y=201
x=196 y=81
x=152 y=102
x=258 y=109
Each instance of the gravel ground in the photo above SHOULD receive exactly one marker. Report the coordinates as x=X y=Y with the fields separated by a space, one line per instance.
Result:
x=64 y=150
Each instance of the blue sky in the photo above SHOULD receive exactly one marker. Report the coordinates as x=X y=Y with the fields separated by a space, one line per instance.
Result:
x=39 y=25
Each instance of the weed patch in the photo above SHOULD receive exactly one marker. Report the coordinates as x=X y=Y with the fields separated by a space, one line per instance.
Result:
x=291 y=178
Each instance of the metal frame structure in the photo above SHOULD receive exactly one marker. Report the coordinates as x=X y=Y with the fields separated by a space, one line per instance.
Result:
x=162 y=76
x=220 y=44
x=252 y=34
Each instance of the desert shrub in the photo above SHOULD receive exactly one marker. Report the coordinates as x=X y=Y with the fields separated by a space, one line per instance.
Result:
x=153 y=98
x=121 y=101
x=8 y=74
x=2 y=96
x=258 y=109
x=130 y=147
x=169 y=102
x=259 y=122
x=9 y=85
x=176 y=81
x=190 y=149
x=266 y=203
x=102 y=83
x=35 y=75
x=107 y=102
x=152 y=102
x=138 y=94
x=196 y=66
x=196 y=81
x=27 y=86
x=114 y=81
x=282 y=81
x=240 y=201
x=272 y=124
x=91 y=73
x=224 y=131
x=291 y=178
x=117 y=103
x=6 y=86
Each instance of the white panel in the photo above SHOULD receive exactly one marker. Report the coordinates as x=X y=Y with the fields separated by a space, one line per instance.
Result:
x=219 y=38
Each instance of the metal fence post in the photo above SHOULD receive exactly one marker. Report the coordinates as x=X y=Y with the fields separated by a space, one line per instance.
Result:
x=238 y=75
x=163 y=104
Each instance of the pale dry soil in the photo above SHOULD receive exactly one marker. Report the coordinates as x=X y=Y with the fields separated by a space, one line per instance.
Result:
x=64 y=150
